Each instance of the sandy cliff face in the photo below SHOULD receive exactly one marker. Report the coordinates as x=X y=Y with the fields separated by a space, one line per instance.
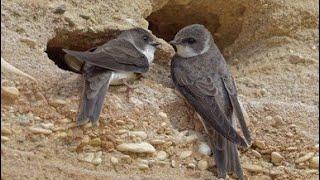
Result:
x=271 y=48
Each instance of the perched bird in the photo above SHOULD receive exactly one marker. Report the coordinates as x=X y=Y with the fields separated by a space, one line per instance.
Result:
x=118 y=60
x=200 y=74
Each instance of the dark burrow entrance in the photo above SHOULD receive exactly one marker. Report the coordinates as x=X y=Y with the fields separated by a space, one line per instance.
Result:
x=223 y=19
x=80 y=41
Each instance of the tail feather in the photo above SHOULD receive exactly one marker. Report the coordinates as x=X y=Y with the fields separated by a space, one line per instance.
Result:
x=227 y=159
x=93 y=98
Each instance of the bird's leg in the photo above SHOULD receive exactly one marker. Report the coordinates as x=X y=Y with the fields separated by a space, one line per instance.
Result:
x=198 y=126
x=130 y=87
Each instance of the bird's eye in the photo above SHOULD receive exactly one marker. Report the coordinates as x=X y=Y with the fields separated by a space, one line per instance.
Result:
x=145 y=38
x=191 y=40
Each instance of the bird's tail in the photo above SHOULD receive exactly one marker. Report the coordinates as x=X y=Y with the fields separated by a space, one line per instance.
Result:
x=227 y=158
x=92 y=101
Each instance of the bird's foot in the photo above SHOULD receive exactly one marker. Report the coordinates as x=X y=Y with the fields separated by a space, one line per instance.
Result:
x=130 y=88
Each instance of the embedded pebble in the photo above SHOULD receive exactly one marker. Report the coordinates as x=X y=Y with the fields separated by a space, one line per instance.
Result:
x=185 y=154
x=97 y=159
x=192 y=138
x=60 y=9
x=6 y=131
x=162 y=155
x=143 y=166
x=114 y=160
x=94 y=158
x=140 y=134
x=204 y=149
x=157 y=141
x=304 y=158
x=36 y=130
x=253 y=168
x=142 y=147
x=256 y=153
x=4 y=139
x=173 y=163
x=278 y=121
x=191 y=165
x=47 y=126
x=314 y=162
x=276 y=158
x=260 y=144
x=163 y=115
x=203 y=165
x=95 y=142
x=58 y=102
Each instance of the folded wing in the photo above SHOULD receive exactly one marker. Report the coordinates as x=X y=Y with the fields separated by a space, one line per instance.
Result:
x=117 y=54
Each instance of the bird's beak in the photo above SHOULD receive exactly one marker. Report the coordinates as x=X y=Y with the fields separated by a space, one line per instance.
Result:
x=174 y=43
x=155 y=44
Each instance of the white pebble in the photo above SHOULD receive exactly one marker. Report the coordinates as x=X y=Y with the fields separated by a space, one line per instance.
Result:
x=114 y=160
x=276 y=157
x=204 y=149
x=162 y=155
x=203 y=165
x=40 y=131
x=185 y=154
x=47 y=126
x=314 y=162
x=163 y=115
x=140 y=134
x=142 y=147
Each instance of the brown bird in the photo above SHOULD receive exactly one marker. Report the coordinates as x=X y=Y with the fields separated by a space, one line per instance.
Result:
x=200 y=74
x=123 y=58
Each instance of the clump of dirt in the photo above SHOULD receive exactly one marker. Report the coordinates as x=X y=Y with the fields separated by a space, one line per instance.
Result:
x=271 y=48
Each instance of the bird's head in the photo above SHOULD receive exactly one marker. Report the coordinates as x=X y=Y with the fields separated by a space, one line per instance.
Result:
x=192 y=40
x=141 y=38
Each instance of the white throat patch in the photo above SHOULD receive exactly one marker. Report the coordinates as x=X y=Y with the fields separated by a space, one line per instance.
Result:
x=149 y=53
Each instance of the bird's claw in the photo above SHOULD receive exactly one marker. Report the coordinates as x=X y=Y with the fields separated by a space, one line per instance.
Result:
x=130 y=88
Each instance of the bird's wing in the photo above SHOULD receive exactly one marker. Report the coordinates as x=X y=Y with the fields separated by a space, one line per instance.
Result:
x=117 y=54
x=201 y=93
x=229 y=84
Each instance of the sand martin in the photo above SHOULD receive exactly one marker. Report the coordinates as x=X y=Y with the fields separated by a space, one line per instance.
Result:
x=200 y=74
x=123 y=58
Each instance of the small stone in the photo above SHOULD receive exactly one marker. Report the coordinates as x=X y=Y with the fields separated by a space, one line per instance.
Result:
x=114 y=160
x=304 y=158
x=173 y=164
x=191 y=165
x=185 y=154
x=58 y=102
x=62 y=135
x=143 y=166
x=84 y=16
x=289 y=134
x=203 y=165
x=142 y=147
x=269 y=118
x=162 y=155
x=256 y=153
x=36 y=130
x=6 y=131
x=157 y=141
x=121 y=131
x=9 y=94
x=60 y=9
x=314 y=162
x=204 y=149
x=47 y=126
x=4 y=139
x=95 y=142
x=87 y=157
x=140 y=134
x=64 y=121
x=253 y=168
x=260 y=144
x=276 y=158
x=192 y=138
x=278 y=121
x=163 y=115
